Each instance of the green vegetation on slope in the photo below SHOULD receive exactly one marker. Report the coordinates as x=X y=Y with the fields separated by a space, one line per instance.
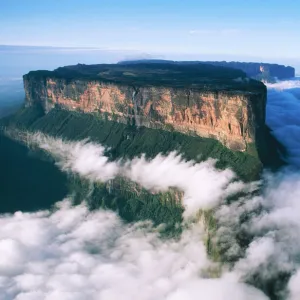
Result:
x=130 y=141
x=131 y=201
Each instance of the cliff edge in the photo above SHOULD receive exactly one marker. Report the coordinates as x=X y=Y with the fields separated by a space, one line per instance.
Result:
x=199 y=100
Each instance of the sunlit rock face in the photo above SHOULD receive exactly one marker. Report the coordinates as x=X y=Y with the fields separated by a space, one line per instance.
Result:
x=229 y=112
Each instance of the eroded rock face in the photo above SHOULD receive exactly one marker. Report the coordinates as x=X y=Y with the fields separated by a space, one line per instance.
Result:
x=232 y=117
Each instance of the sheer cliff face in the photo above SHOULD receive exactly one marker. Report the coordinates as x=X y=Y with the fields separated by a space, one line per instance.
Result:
x=236 y=118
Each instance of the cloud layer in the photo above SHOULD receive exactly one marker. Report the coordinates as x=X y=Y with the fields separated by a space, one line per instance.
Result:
x=273 y=223
x=283 y=109
x=76 y=254
x=271 y=219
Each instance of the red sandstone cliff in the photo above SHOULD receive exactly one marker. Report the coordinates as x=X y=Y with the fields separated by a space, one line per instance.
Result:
x=231 y=116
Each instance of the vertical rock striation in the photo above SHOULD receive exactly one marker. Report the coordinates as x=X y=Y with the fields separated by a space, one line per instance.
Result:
x=231 y=111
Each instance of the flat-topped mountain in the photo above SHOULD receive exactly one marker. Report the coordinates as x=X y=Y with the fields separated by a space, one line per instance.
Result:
x=199 y=99
x=200 y=111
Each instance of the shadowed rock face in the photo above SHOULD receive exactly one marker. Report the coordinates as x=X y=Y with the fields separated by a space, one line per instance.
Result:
x=228 y=109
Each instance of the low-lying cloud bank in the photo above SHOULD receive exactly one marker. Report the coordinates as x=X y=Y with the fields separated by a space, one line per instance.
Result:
x=271 y=261
x=76 y=254
x=272 y=219
x=203 y=185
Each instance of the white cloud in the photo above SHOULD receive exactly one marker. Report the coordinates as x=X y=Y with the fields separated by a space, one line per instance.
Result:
x=85 y=158
x=284 y=85
x=203 y=185
x=217 y=32
x=76 y=254
x=270 y=219
x=294 y=286
x=273 y=224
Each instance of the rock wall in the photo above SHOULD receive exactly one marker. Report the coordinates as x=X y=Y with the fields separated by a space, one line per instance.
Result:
x=235 y=118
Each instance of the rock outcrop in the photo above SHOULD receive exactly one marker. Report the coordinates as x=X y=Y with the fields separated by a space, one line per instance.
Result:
x=230 y=109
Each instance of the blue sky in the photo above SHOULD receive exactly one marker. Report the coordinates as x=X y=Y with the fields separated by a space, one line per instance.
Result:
x=266 y=29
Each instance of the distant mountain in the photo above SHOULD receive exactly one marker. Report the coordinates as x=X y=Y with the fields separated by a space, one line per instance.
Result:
x=260 y=71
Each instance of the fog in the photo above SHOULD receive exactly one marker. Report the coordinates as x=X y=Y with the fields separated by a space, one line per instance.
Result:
x=273 y=221
x=88 y=160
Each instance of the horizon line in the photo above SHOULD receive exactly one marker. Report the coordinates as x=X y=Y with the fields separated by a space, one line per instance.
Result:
x=155 y=54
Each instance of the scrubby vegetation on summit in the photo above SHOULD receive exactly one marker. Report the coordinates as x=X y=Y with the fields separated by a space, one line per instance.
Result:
x=196 y=76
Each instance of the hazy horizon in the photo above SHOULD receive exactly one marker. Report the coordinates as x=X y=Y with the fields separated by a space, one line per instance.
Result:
x=16 y=61
x=108 y=31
